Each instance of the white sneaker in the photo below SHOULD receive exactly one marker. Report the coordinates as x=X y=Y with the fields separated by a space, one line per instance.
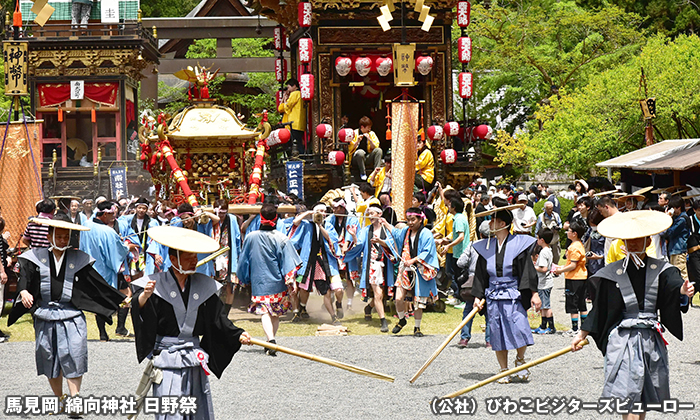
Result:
x=571 y=333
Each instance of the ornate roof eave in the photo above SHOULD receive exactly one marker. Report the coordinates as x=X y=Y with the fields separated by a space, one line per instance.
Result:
x=287 y=14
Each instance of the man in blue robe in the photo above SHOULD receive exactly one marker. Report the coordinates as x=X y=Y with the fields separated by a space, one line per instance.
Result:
x=319 y=264
x=417 y=270
x=103 y=244
x=505 y=276
x=268 y=264
x=135 y=231
x=379 y=253
x=228 y=234
x=338 y=225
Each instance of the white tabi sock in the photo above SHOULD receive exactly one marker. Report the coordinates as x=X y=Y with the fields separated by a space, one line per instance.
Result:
x=418 y=322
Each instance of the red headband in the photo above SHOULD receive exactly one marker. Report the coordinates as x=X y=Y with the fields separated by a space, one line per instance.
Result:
x=264 y=221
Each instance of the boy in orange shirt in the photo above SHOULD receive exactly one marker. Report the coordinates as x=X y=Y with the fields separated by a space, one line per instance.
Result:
x=575 y=274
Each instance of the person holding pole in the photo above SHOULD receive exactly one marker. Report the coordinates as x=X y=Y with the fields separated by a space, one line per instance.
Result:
x=637 y=298
x=268 y=263
x=506 y=278
x=180 y=323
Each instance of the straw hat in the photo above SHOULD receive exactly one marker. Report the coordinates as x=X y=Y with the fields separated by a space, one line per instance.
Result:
x=604 y=193
x=583 y=183
x=182 y=239
x=643 y=191
x=675 y=188
x=635 y=224
x=624 y=198
x=57 y=223
x=496 y=209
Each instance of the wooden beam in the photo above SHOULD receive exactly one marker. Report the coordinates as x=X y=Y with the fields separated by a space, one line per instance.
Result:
x=225 y=65
x=211 y=27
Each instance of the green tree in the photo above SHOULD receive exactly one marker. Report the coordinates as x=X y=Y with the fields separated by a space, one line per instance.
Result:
x=167 y=8
x=265 y=82
x=603 y=120
x=527 y=50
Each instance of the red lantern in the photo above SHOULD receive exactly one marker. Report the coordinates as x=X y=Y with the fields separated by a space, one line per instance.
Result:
x=278 y=97
x=482 y=132
x=424 y=64
x=336 y=158
x=343 y=65
x=279 y=136
x=452 y=128
x=279 y=38
x=346 y=135
x=464 y=49
x=465 y=85
x=324 y=131
x=306 y=86
x=435 y=132
x=363 y=65
x=280 y=69
x=464 y=9
x=384 y=65
x=305 y=14
x=448 y=156
x=306 y=48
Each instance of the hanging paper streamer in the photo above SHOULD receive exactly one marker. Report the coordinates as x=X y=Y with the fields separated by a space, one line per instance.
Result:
x=404 y=126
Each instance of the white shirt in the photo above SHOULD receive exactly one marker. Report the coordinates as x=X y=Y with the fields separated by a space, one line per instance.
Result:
x=58 y=261
x=523 y=216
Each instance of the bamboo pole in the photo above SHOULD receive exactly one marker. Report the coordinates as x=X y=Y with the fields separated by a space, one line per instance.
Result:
x=214 y=255
x=509 y=372
x=314 y=358
x=445 y=343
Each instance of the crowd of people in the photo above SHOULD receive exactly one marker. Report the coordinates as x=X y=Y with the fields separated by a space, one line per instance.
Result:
x=481 y=245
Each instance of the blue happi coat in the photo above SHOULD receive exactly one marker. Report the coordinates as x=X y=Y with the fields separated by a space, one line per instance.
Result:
x=103 y=244
x=301 y=238
x=352 y=263
x=426 y=252
x=266 y=258
x=362 y=247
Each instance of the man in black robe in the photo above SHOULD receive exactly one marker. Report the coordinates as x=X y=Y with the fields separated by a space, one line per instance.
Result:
x=625 y=321
x=55 y=285
x=180 y=323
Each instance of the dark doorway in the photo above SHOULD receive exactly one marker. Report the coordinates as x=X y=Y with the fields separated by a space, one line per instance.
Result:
x=368 y=100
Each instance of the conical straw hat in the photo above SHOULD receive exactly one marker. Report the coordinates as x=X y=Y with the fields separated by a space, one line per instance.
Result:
x=58 y=223
x=635 y=224
x=182 y=239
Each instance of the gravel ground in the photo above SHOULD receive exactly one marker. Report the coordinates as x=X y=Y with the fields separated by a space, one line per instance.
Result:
x=259 y=387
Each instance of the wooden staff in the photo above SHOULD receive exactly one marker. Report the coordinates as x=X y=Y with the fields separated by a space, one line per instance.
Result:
x=509 y=372
x=351 y=368
x=446 y=342
x=214 y=255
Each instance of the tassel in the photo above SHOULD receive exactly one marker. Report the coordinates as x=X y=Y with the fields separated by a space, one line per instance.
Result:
x=93 y=115
x=188 y=161
x=232 y=162
x=17 y=17
x=60 y=114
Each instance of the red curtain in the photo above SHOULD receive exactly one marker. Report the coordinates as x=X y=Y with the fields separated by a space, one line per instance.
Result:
x=53 y=94
x=56 y=94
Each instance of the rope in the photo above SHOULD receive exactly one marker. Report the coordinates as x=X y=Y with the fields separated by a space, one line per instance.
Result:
x=37 y=178
x=7 y=128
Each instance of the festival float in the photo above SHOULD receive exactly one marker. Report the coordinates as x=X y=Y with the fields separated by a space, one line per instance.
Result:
x=204 y=152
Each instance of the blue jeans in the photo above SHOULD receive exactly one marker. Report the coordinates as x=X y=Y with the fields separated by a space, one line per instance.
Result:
x=466 y=333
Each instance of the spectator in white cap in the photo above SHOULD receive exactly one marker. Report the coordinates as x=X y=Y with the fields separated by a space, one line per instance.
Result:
x=524 y=218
